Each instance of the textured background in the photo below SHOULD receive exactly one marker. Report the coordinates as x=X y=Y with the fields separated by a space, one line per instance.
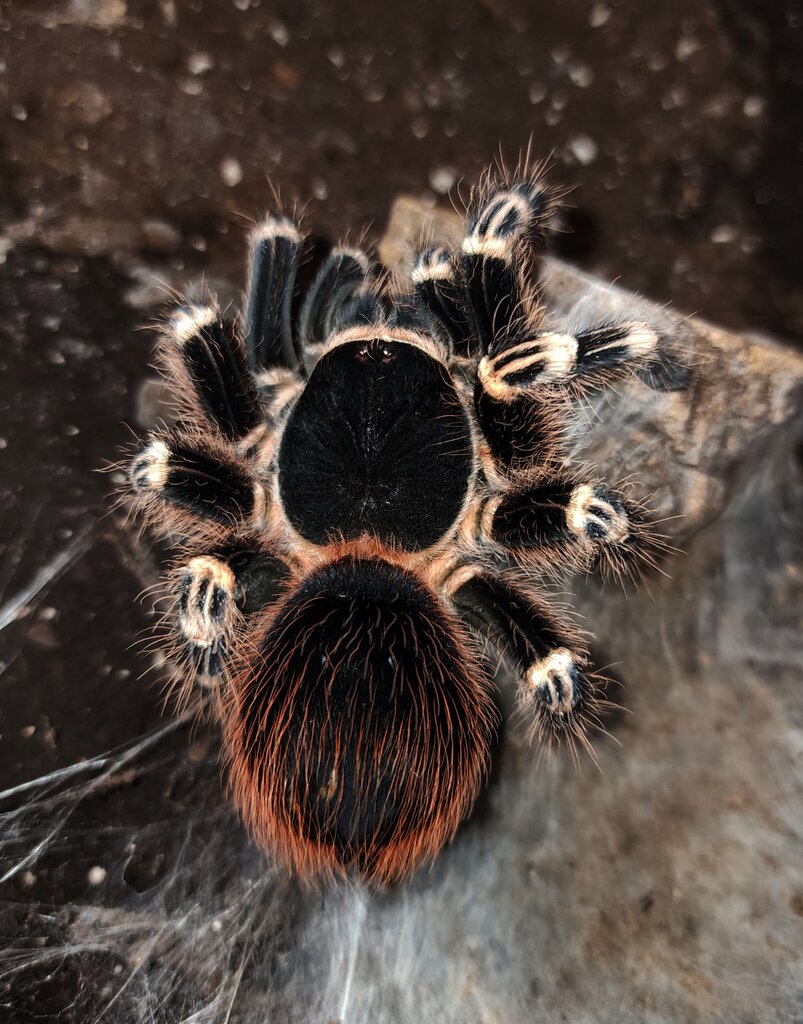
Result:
x=137 y=142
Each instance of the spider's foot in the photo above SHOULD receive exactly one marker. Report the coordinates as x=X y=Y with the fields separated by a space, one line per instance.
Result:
x=596 y=514
x=555 y=683
x=150 y=467
x=206 y=613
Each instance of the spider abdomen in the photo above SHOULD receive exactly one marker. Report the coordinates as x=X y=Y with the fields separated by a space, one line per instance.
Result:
x=378 y=443
x=362 y=733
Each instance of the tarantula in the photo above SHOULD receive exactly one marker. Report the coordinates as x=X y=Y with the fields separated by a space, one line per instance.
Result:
x=351 y=488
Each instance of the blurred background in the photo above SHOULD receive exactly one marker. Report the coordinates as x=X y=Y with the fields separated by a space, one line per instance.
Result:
x=139 y=139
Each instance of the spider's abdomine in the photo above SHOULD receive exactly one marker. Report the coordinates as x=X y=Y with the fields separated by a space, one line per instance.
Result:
x=350 y=487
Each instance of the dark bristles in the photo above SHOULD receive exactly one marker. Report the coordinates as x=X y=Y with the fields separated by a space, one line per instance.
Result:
x=364 y=308
x=216 y=372
x=275 y=254
x=342 y=275
x=361 y=734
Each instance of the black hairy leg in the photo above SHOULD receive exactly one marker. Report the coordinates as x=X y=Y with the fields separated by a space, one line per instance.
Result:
x=365 y=308
x=187 y=484
x=523 y=436
x=547 y=656
x=214 y=594
x=275 y=254
x=206 y=614
x=343 y=275
x=504 y=228
x=565 y=524
x=206 y=365
x=439 y=301
x=526 y=374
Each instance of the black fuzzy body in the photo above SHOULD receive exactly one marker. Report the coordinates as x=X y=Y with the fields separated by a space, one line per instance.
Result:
x=366 y=726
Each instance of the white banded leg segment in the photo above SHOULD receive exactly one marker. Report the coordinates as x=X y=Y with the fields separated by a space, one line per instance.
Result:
x=555 y=682
x=433 y=265
x=500 y=301
x=602 y=352
x=438 y=296
x=596 y=514
x=206 y=613
x=176 y=478
x=189 y=321
x=547 y=359
x=212 y=378
x=149 y=468
x=507 y=217
x=610 y=348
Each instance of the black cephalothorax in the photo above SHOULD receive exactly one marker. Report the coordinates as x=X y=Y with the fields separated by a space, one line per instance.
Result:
x=377 y=443
x=349 y=486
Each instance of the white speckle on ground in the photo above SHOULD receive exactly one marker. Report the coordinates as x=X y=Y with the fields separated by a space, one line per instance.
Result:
x=96 y=875
x=441 y=179
x=231 y=171
x=191 y=86
x=580 y=74
x=599 y=15
x=686 y=46
x=753 y=106
x=583 y=149
x=199 y=62
x=278 y=33
x=723 y=234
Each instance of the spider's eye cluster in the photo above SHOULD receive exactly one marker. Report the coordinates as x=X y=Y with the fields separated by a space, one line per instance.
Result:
x=351 y=479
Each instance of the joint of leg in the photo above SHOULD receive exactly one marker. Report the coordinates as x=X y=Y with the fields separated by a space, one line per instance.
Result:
x=276 y=227
x=555 y=682
x=150 y=467
x=189 y=321
x=550 y=359
x=433 y=265
x=206 y=601
x=594 y=513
